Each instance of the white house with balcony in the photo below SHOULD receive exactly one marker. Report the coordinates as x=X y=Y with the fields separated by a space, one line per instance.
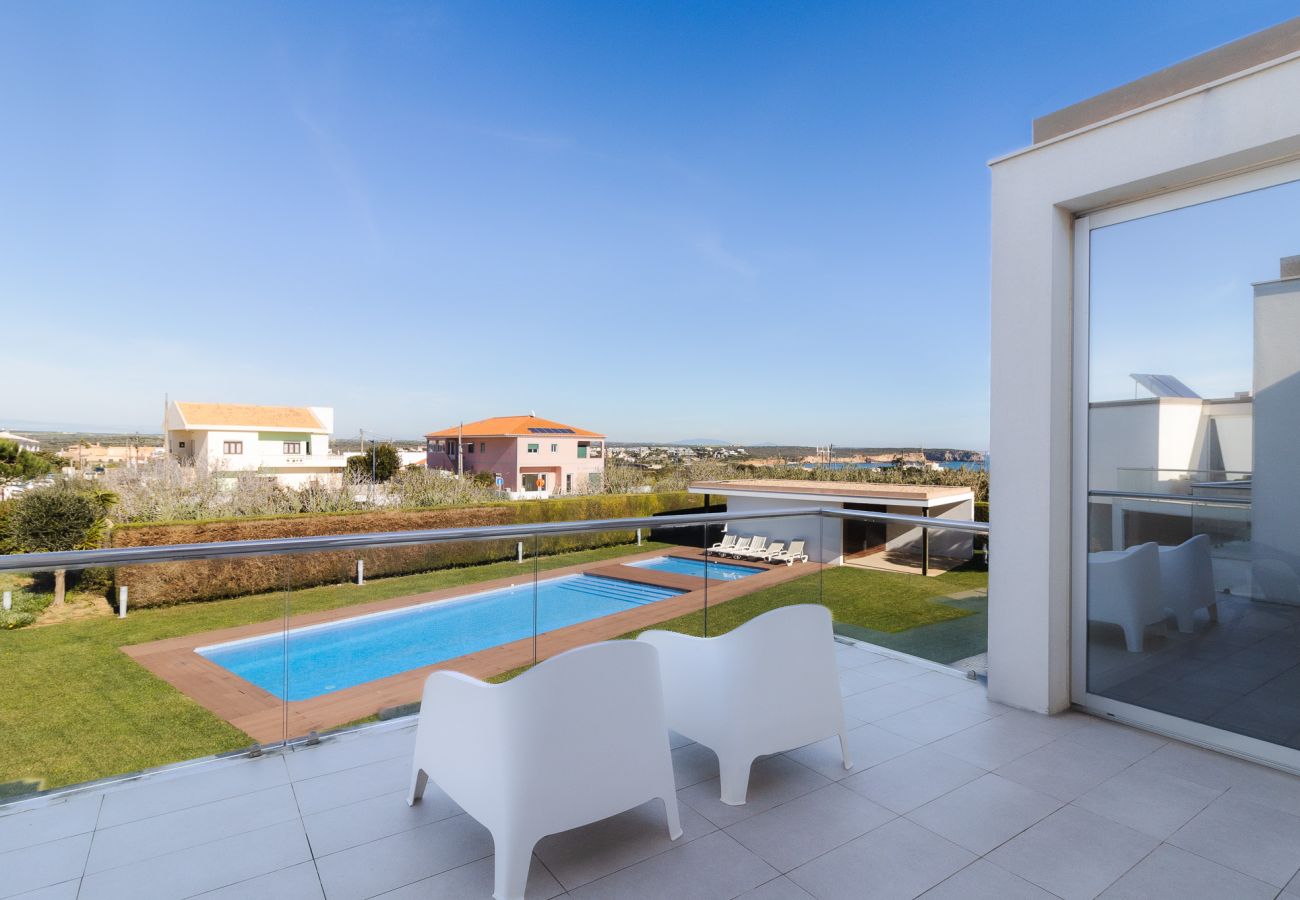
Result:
x=287 y=443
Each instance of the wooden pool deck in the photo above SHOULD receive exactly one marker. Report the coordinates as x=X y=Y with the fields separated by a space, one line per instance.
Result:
x=268 y=719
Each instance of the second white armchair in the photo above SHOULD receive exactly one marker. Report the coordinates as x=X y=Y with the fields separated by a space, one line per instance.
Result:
x=768 y=686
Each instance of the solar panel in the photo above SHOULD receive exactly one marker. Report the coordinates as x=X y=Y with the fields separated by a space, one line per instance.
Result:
x=551 y=430
x=1165 y=386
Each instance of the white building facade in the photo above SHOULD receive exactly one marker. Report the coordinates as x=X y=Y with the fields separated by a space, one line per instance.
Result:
x=1142 y=231
x=287 y=443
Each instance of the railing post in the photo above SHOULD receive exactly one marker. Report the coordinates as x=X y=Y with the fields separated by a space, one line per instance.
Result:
x=361 y=571
x=121 y=601
x=638 y=537
x=519 y=549
x=925 y=545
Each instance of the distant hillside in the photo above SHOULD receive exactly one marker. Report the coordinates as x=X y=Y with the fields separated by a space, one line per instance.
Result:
x=702 y=442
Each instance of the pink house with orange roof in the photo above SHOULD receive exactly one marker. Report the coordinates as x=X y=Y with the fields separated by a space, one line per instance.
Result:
x=525 y=453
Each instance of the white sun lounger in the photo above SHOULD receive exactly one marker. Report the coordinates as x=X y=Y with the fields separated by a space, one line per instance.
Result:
x=756 y=546
x=767 y=552
x=728 y=541
x=741 y=545
x=789 y=556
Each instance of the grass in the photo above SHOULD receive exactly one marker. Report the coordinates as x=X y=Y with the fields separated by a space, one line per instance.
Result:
x=74 y=708
x=26 y=604
x=886 y=602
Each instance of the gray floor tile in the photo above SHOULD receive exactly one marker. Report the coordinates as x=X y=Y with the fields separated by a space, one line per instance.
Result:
x=694 y=763
x=368 y=820
x=900 y=859
x=853 y=657
x=1151 y=802
x=1258 y=840
x=777 y=889
x=931 y=721
x=170 y=792
x=1073 y=853
x=994 y=743
x=1172 y=874
x=350 y=785
x=42 y=865
x=913 y=779
x=204 y=868
x=711 y=867
x=979 y=701
x=63 y=818
x=1194 y=764
x=772 y=780
x=1063 y=769
x=881 y=702
x=940 y=684
x=982 y=814
x=808 y=826
x=1127 y=743
x=1057 y=725
x=897 y=669
x=64 y=890
x=350 y=751
x=855 y=681
x=593 y=851
x=159 y=835
x=868 y=746
x=982 y=880
x=298 y=882
x=403 y=858
x=475 y=880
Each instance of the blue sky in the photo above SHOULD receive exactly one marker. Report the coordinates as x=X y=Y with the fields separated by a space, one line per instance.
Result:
x=765 y=222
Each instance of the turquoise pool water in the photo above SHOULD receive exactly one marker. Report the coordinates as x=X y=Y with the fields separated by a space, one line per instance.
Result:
x=337 y=655
x=719 y=571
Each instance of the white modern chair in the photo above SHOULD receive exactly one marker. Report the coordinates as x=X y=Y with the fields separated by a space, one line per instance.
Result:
x=728 y=541
x=577 y=739
x=768 y=686
x=790 y=556
x=741 y=545
x=1124 y=590
x=1187 y=581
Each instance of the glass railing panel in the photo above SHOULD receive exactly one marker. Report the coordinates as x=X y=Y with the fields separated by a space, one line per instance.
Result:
x=114 y=679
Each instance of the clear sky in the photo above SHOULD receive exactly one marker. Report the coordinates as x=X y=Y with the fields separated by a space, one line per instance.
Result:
x=755 y=222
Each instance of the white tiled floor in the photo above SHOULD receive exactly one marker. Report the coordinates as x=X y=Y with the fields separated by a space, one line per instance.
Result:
x=952 y=797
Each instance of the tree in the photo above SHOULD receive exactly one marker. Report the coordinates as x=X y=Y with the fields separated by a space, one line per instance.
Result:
x=17 y=464
x=61 y=517
x=379 y=463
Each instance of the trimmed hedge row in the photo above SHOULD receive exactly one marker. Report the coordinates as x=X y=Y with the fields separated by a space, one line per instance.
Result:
x=165 y=584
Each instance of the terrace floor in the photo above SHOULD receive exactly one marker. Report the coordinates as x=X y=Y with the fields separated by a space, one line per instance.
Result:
x=952 y=796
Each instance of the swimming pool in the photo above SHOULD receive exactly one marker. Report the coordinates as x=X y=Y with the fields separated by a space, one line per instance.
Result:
x=718 y=571
x=337 y=655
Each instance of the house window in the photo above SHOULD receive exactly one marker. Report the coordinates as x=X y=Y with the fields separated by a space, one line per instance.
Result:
x=582 y=449
x=482 y=446
x=532 y=448
x=182 y=445
x=555 y=448
x=469 y=448
x=292 y=448
x=232 y=448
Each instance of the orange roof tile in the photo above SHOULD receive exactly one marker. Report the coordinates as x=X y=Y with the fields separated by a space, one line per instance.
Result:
x=512 y=426
x=242 y=415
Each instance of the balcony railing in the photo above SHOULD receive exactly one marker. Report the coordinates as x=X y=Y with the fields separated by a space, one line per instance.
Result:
x=206 y=649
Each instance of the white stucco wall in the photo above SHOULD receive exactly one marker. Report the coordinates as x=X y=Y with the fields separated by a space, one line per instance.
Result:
x=1216 y=130
x=1276 y=491
x=822 y=535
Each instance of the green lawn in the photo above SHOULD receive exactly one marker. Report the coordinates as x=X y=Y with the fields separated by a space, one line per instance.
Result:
x=881 y=601
x=73 y=707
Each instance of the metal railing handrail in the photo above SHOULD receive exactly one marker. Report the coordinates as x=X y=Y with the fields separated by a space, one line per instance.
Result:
x=119 y=556
x=1185 y=499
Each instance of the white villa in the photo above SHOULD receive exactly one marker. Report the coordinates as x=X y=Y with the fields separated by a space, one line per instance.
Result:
x=287 y=443
x=24 y=443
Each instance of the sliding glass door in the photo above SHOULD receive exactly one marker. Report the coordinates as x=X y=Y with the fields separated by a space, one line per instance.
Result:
x=1187 y=475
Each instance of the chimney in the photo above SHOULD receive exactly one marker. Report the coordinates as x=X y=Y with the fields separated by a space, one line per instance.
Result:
x=1290 y=267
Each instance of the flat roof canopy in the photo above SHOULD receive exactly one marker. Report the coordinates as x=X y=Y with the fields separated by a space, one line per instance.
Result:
x=919 y=495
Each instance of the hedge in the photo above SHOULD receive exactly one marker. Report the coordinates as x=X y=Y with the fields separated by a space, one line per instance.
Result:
x=162 y=584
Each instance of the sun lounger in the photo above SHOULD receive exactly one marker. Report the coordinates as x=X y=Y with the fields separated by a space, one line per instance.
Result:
x=741 y=545
x=790 y=556
x=728 y=541
x=756 y=545
x=767 y=552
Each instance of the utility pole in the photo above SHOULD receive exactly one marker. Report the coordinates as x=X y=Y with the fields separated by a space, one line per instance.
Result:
x=372 y=461
x=460 y=450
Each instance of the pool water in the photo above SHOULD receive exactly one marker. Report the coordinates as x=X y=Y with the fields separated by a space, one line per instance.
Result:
x=718 y=571
x=337 y=655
